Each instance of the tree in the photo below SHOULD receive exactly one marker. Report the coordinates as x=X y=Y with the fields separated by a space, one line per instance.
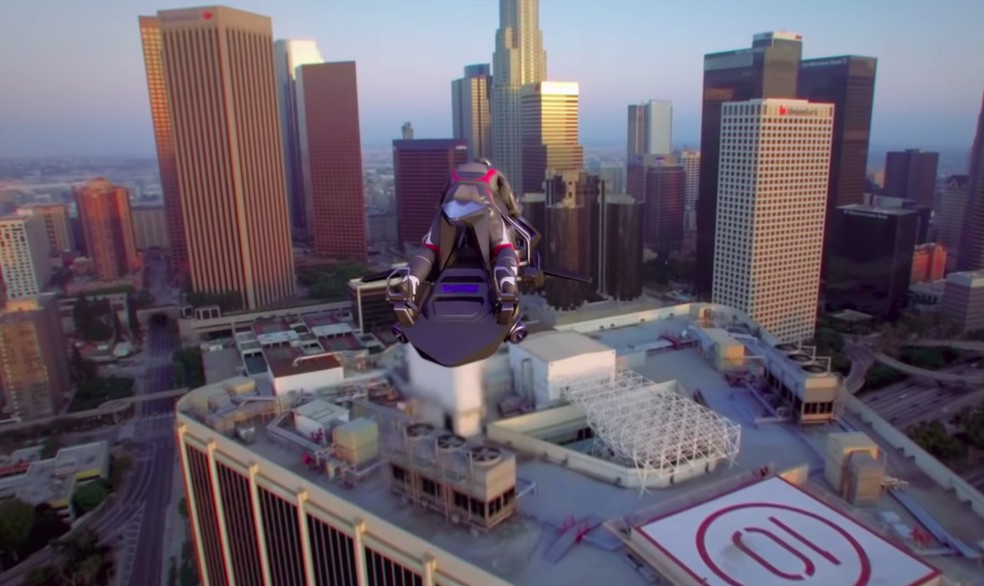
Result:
x=88 y=496
x=188 y=368
x=16 y=520
x=143 y=299
x=43 y=576
x=48 y=526
x=85 y=561
x=118 y=467
x=83 y=371
x=932 y=437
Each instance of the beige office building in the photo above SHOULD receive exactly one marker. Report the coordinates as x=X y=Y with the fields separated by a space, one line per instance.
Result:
x=772 y=197
x=550 y=132
x=150 y=227
x=33 y=365
x=221 y=88
x=57 y=224
x=24 y=253
x=470 y=110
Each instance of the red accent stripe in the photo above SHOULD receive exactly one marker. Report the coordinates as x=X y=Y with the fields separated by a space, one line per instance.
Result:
x=433 y=247
x=502 y=247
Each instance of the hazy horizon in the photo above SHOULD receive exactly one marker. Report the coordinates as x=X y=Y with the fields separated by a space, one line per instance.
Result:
x=80 y=88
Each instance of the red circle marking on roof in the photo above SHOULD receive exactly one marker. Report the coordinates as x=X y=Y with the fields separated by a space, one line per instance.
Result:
x=207 y=15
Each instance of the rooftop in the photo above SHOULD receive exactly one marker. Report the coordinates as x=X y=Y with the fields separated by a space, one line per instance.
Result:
x=520 y=549
x=551 y=346
x=882 y=212
x=972 y=279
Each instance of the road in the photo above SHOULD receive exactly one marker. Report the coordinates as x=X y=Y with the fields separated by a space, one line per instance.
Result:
x=133 y=520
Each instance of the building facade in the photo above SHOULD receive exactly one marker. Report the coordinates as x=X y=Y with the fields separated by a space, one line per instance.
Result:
x=549 y=133
x=963 y=300
x=871 y=264
x=422 y=168
x=660 y=185
x=650 y=130
x=768 y=70
x=616 y=231
x=568 y=245
x=972 y=232
x=950 y=208
x=107 y=222
x=150 y=227
x=34 y=375
x=519 y=59
x=771 y=206
x=289 y=55
x=331 y=156
x=471 y=112
x=24 y=255
x=57 y=223
x=167 y=162
x=928 y=263
x=690 y=160
x=911 y=175
x=230 y=159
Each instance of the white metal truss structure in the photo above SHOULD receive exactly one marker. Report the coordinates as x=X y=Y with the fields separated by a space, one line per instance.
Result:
x=651 y=426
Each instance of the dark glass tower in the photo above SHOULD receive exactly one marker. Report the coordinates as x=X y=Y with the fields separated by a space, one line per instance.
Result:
x=871 y=262
x=972 y=237
x=768 y=70
x=847 y=82
x=911 y=175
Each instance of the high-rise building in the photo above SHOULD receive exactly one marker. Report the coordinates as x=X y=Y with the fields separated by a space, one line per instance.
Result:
x=691 y=168
x=911 y=175
x=406 y=131
x=167 y=162
x=616 y=234
x=568 y=245
x=768 y=70
x=847 y=82
x=871 y=261
x=771 y=207
x=471 y=110
x=230 y=158
x=421 y=171
x=34 y=374
x=971 y=256
x=963 y=300
x=150 y=227
x=519 y=60
x=290 y=54
x=928 y=263
x=951 y=205
x=550 y=133
x=331 y=155
x=104 y=209
x=659 y=183
x=24 y=252
x=650 y=129
x=613 y=174
x=924 y=214
x=57 y=224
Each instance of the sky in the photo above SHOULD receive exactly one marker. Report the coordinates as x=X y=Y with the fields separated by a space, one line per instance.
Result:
x=72 y=79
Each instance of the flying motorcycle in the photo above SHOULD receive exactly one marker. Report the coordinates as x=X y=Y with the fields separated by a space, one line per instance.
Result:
x=463 y=315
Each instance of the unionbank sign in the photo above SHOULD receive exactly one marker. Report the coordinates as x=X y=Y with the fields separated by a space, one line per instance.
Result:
x=794 y=111
x=187 y=16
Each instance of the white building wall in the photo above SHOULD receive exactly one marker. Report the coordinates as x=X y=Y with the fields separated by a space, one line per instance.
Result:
x=309 y=381
x=772 y=198
x=548 y=378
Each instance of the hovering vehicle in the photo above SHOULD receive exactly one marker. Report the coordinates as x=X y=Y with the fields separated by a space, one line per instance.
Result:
x=463 y=316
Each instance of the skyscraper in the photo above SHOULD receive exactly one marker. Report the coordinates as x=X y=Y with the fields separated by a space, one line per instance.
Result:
x=570 y=197
x=149 y=227
x=768 y=70
x=972 y=234
x=616 y=235
x=24 y=252
x=911 y=175
x=650 y=129
x=167 y=163
x=691 y=168
x=33 y=367
x=659 y=184
x=550 y=133
x=951 y=206
x=230 y=158
x=471 y=112
x=289 y=54
x=871 y=261
x=519 y=60
x=107 y=223
x=771 y=210
x=422 y=168
x=331 y=155
x=848 y=83
x=57 y=224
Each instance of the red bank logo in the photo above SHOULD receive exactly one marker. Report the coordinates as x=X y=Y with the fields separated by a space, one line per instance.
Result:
x=783 y=110
x=207 y=15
